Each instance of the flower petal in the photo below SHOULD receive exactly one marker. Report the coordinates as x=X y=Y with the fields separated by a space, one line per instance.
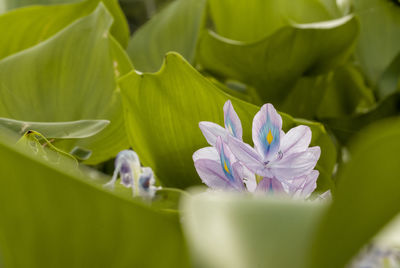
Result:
x=303 y=186
x=227 y=159
x=270 y=185
x=296 y=140
x=212 y=175
x=146 y=183
x=267 y=125
x=127 y=164
x=247 y=155
x=296 y=165
x=248 y=178
x=232 y=121
x=211 y=131
x=206 y=153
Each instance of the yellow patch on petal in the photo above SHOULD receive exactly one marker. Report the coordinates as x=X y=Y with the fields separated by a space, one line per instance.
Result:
x=270 y=138
x=226 y=167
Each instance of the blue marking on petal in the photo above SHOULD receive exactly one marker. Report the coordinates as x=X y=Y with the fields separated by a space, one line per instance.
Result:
x=226 y=165
x=230 y=127
x=269 y=136
x=144 y=182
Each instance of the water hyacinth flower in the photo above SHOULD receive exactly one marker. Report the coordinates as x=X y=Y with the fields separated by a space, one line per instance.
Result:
x=281 y=163
x=285 y=157
x=133 y=175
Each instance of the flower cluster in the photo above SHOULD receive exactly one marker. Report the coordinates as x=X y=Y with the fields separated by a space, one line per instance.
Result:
x=133 y=175
x=279 y=162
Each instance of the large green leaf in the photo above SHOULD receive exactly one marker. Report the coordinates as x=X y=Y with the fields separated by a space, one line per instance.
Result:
x=162 y=112
x=389 y=81
x=345 y=127
x=235 y=231
x=54 y=218
x=60 y=130
x=367 y=196
x=379 y=38
x=69 y=77
x=12 y=4
x=252 y=20
x=175 y=28
x=274 y=64
x=26 y=27
x=339 y=93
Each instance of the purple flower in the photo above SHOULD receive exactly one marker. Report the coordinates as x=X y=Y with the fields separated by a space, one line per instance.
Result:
x=219 y=169
x=140 y=179
x=276 y=155
x=279 y=163
x=233 y=126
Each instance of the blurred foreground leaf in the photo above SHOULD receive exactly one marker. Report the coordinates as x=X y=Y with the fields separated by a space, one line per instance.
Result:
x=69 y=77
x=228 y=231
x=51 y=217
x=367 y=196
x=175 y=28
x=163 y=110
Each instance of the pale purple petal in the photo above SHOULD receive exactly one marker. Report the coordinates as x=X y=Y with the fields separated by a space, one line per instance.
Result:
x=297 y=164
x=267 y=125
x=232 y=121
x=227 y=159
x=247 y=155
x=206 y=153
x=127 y=165
x=303 y=186
x=211 y=131
x=296 y=140
x=146 y=183
x=270 y=185
x=212 y=175
x=238 y=171
x=248 y=178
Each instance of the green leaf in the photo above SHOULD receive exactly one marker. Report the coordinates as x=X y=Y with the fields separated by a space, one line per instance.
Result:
x=59 y=130
x=253 y=20
x=51 y=217
x=81 y=153
x=41 y=147
x=273 y=65
x=71 y=76
x=379 y=37
x=236 y=231
x=26 y=27
x=175 y=28
x=168 y=199
x=367 y=196
x=389 y=82
x=12 y=4
x=163 y=110
x=339 y=93
x=345 y=127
